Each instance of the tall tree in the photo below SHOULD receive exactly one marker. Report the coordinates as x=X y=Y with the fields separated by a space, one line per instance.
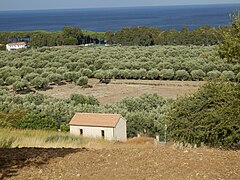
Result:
x=230 y=47
x=72 y=32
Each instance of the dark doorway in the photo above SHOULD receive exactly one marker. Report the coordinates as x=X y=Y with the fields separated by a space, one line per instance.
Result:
x=103 y=133
x=81 y=131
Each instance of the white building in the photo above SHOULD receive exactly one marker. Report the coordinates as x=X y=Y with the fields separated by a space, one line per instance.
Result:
x=106 y=126
x=15 y=46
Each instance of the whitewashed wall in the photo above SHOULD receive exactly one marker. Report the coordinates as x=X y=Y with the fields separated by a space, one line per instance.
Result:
x=95 y=132
x=18 y=46
x=120 y=131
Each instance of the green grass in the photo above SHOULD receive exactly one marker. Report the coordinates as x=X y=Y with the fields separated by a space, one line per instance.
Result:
x=41 y=138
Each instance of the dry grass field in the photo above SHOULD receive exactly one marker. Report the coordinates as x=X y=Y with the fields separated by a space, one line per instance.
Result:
x=135 y=160
x=118 y=89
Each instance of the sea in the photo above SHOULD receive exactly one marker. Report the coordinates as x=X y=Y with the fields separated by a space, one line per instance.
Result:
x=104 y=19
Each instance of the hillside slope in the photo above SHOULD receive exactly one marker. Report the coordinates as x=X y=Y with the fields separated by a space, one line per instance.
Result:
x=123 y=161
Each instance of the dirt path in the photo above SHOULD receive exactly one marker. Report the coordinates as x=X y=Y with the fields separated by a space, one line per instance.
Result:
x=118 y=89
x=124 y=161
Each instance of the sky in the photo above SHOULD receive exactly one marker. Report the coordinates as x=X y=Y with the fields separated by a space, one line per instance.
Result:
x=68 y=4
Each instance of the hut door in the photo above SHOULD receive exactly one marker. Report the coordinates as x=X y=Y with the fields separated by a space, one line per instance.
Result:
x=103 y=134
x=81 y=131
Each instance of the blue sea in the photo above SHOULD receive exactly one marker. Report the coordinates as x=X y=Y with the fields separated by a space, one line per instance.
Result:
x=104 y=19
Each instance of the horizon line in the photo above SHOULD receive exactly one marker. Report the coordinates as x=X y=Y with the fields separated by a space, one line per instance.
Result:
x=170 y=5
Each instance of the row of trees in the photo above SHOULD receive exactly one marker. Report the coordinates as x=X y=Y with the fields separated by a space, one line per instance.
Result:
x=141 y=36
x=42 y=66
x=42 y=81
x=167 y=74
x=68 y=36
x=144 y=36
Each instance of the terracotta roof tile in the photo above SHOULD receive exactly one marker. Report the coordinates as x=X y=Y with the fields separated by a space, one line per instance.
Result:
x=95 y=119
x=17 y=43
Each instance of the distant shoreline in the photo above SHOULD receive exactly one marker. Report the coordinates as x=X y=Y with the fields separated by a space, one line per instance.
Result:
x=114 y=19
x=121 y=7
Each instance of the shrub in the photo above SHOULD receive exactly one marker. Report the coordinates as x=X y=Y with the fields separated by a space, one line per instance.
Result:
x=45 y=74
x=12 y=79
x=37 y=121
x=1 y=82
x=65 y=128
x=70 y=76
x=166 y=74
x=114 y=73
x=82 y=81
x=210 y=116
x=215 y=74
x=197 y=74
x=39 y=83
x=31 y=76
x=153 y=74
x=20 y=85
x=182 y=75
x=228 y=75
x=70 y=41
x=81 y=99
x=11 y=118
x=54 y=78
x=238 y=77
x=61 y=70
x=142 y=73
x=86 y=72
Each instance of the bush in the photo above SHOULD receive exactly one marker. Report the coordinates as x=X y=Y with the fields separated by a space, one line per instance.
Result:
x=82 y=81
x=45 y=74
x=81 y=99
x=54 y=78
x=182 y=75
x=197 y=74
x=228 y=76
x=37 y=121
x=70 y=41
x=65 y=128
x=31 y=76
x=12 y=79
x=166 y=74
x=238 y=77
x=39 y=83
x=86 y=72
x=70 y=76
x=153 y=74
x=215 y=74
x=1 y=82
x=210 y=116
x=20 y=85
x=10 y=119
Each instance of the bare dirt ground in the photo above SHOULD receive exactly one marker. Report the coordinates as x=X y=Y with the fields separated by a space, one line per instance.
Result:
x=131 y=160
x=118 y=89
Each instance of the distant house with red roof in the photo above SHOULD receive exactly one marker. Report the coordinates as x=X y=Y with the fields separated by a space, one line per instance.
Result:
x=15 y=46
x=106 y=126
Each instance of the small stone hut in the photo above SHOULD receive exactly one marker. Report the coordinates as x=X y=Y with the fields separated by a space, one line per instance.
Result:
x=106 y=126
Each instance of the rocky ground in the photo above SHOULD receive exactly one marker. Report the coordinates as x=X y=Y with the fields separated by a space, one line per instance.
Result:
x=120 y=161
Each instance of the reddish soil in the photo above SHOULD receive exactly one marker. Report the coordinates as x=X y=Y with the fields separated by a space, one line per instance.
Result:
x=118 y=89
x=131 y=160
